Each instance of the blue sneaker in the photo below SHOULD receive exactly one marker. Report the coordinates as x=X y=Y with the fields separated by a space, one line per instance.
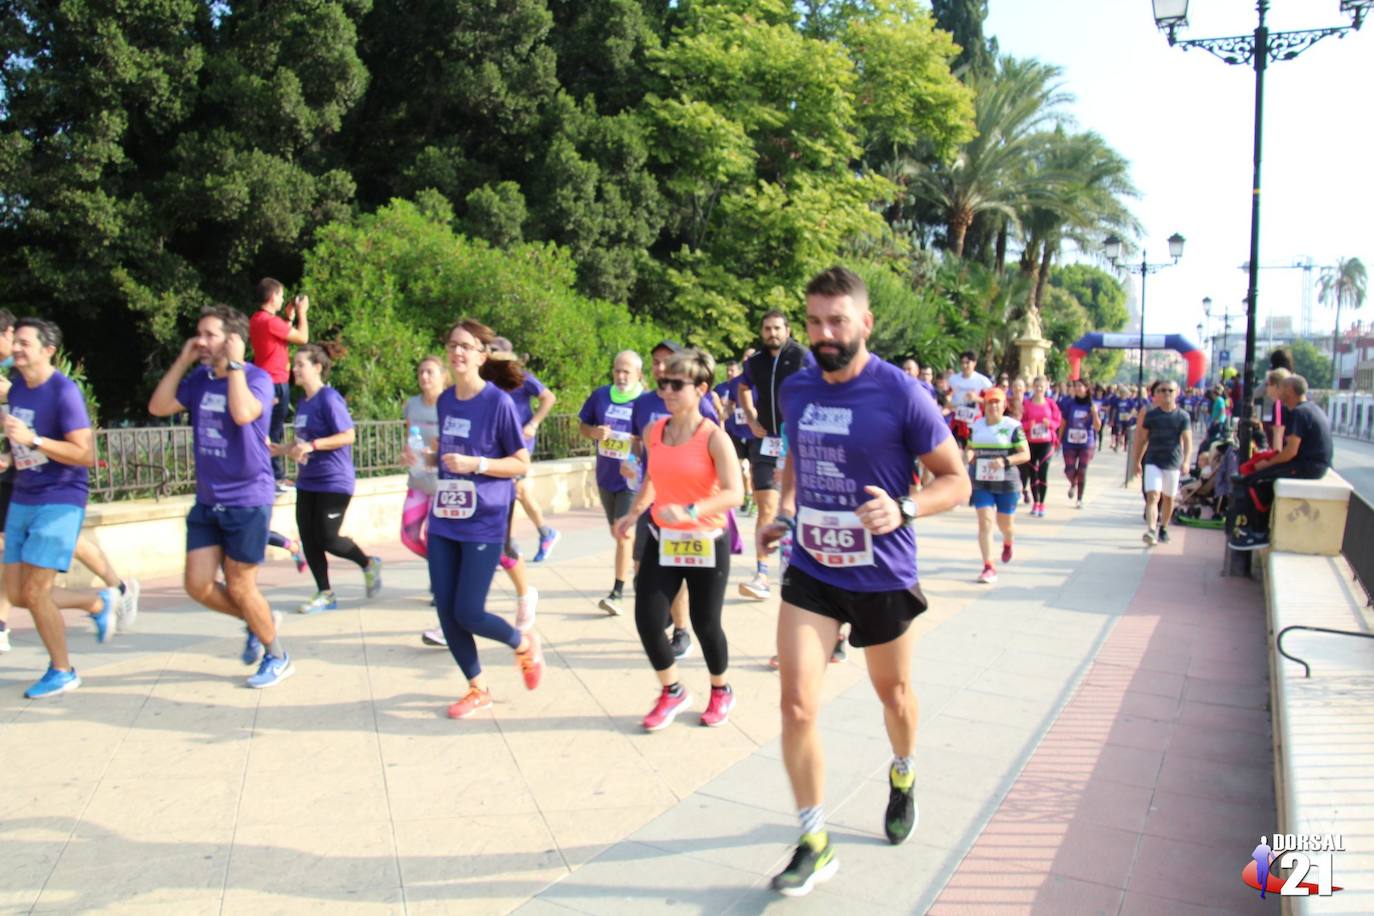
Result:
x=104 y=619
x=53 y=683
x=323 y=601
x=252 y=647
x=546 y=544
x=272 y=672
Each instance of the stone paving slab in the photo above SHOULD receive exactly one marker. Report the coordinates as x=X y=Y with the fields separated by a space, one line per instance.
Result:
x=164 y=784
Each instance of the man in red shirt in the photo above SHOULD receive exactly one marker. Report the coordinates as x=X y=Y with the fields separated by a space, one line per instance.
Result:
x=270 y=334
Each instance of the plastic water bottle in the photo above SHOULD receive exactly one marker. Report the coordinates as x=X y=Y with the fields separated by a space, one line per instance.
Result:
x=632 y=462
x=416 y=442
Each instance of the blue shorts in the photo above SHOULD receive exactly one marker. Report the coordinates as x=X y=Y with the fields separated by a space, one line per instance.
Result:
x=43 y=535
x=1005 y=502
x=241 y=531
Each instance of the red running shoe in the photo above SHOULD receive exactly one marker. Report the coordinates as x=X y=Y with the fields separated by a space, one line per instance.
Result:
x=474 y=701
x=531 y=662
x=666 y=709
x=718 y=710
x=1006 y=551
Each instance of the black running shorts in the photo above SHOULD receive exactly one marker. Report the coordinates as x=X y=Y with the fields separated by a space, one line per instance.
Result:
x=874 y=617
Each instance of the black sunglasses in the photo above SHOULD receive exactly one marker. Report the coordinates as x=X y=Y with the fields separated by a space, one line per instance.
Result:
x=676 y=384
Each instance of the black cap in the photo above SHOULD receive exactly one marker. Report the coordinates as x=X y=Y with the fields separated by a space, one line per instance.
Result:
x=670 y=345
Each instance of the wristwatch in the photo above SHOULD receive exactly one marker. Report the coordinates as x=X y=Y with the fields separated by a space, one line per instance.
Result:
x=235 y=366
x=482 y=465
x=909 y=510
x=37 y=443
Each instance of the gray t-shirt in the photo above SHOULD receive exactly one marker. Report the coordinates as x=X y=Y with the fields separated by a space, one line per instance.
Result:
x=1165 y=448
x=425 y=416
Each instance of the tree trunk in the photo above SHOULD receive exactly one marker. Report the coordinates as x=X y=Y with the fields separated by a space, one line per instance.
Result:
x=1001 y=256
x=958 y=229
x=1335 y=349
x=1038 y=293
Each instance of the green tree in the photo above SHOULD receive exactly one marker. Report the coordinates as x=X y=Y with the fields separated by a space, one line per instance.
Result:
x=1311 y=363
x=1343 y=285
x=1103 y=298
x=963 y=19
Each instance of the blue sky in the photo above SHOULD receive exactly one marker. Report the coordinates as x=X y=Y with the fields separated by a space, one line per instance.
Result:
x=1185 y=122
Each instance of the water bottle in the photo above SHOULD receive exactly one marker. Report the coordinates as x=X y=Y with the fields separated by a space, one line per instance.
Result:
x=785 y=549
x=416 y=442
x=632 y=462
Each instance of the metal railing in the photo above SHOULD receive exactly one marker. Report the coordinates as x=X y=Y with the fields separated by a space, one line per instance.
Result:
x=156 y=461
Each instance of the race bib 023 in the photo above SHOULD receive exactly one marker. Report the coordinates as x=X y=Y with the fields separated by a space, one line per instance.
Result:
x=455 y=499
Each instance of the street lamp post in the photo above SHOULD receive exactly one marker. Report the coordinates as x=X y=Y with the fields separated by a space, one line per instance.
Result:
x=1255 y=50
x=1111 y=246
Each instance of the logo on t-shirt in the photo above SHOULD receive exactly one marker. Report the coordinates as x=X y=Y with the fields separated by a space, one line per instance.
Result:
x=818 y=419
x=619 y=412
x=215 y=403
x=457 y=426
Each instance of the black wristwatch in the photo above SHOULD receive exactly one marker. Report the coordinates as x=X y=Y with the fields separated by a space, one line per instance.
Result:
x=909 y=511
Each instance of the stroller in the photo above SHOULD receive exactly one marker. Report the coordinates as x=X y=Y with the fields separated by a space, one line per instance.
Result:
x=1202 y=498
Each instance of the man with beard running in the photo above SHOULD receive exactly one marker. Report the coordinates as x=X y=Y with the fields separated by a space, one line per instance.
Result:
x=764 y=374
x=855 y=426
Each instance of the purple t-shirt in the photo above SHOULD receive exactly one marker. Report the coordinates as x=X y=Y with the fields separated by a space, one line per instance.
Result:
x=233 y=465
x=843 y=437
x=600 y=410
x=324 y=415
x=529 y=389
x=51 y=410
x=474 y=507
x=735 y=424
x=649 y=409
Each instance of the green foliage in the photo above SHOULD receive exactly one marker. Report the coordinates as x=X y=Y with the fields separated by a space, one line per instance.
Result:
x=391 y=283
x=76 y=371
x=1312 y=364
x=1103 y=299
x=906 y=321
x=964 y=20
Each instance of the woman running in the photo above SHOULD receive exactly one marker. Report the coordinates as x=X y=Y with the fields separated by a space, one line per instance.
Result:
x=1040 y=420
x=421 y=412
x=323 y=452
x=692 y=479
x=996 y=445
x=1016 y=399
x=1078 y=432
x=480 y=450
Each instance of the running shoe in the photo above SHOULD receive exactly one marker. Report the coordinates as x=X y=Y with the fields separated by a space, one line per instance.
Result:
x=666 y=709
x=1079 y=504
x=323 y=601
x=813 y=862
x=372 y=577
x=756 y=588
x=774 y=663
x=474 y=700
x=524 y=609
x=546 y=543
x=1071 y=492
x=5 y=640
x=1006 y=552
x=434 y=637
x=1149 y=537
x=840 y=653
x=1245 y=539
x=902 y=814
x=297 y=554
x=272 y=672
x=52 y=683
x=681 y=643
x=531 y=662
x=1025 y=497
x=988 y=575
x=718 y=709
x=611 y=604
x=1163 y=535
x=127 y=612
x=252 y=647
x=105 y=619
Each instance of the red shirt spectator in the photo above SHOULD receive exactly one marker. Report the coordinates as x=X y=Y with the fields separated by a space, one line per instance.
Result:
x=268 y=333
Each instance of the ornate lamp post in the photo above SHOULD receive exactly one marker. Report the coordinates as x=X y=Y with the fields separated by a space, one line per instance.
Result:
x=1111 y=246
x=1255 y=50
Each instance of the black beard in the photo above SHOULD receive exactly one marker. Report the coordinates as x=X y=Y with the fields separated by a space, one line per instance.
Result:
x=773 y=348
x=837 y=361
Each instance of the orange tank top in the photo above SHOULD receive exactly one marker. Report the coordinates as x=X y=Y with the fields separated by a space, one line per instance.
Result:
x=683 y=474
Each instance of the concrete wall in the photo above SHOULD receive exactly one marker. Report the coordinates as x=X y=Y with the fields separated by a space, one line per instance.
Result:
x=147 y=538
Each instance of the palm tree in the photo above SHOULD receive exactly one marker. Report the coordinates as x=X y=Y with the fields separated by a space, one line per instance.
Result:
x=1344 y=284
x=989 y=174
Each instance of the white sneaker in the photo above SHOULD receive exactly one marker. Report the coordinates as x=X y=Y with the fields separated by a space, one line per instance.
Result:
x=1149 y=537
x=433 y=637
x=1079 y=505
x=5 y=640
x=756 y=588
x=524 y=609
x=127 y=611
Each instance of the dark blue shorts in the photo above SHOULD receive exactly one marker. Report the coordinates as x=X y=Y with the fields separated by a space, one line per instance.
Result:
x=1005 y=502
x=241 y=531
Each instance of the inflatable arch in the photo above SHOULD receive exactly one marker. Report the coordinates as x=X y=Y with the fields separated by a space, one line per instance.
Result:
x=1195 y=357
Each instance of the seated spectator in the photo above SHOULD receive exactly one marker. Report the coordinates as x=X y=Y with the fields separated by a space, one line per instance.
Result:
x=1306 y=454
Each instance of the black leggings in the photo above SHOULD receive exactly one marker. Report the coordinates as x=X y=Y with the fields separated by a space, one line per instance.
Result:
x=1039 y=469
x=655 y=588
x=318 y=518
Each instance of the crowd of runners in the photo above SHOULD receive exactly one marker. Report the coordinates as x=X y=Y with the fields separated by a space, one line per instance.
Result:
x=837 y=452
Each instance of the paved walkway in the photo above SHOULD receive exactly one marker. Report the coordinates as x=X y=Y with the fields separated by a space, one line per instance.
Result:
x=1093 y=736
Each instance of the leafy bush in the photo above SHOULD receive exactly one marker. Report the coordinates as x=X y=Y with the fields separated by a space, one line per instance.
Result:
x=390 y=283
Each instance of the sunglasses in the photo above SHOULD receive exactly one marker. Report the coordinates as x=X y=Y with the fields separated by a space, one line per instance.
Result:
x=676 y=384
